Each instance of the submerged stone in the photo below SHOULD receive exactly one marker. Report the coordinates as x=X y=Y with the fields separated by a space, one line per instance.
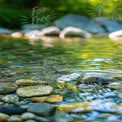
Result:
x=50 y=99
x=42 y=109
x=6 y=88
x=31 y=91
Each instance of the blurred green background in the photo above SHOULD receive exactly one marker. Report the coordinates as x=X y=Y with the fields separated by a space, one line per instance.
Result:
x=12 y=11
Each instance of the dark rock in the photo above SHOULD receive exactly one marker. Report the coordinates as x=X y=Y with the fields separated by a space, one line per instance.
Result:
x=11 y=110
x=43 y=109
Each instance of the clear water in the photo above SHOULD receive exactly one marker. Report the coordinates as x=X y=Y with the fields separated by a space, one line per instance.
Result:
x=49 y=58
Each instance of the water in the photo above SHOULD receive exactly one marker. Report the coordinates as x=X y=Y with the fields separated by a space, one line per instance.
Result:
x=52 y=57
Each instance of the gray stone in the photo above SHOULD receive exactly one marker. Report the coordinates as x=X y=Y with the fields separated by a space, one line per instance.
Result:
x=31 y=91
x=3 y=117
x=15 y=118
x=43 y=109
x=27 y=116
x=11 y=98
x=72 y=20
x=50 y=31
x=30 y=121
x=6 y=88
x=41 y=119
x=73 y=31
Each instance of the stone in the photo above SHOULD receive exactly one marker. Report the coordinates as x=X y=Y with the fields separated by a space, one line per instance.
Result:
x=75 y=107
x=42 y=119
x=30 y=121
x=68 y=78
x=33 y=34
x=11 y=110
x=42 y=109
x=11 y=98
x=28 y=82
x=98 y=78
x=15 y=118
x=30 y=91
x=72 y=20
x=4 y=31
x=73 y=31
x=6 y=88
x=50 y=31
x=116 y=35
x=17 y=34
x=3 y=117
x=27 y=116
x=50 y=99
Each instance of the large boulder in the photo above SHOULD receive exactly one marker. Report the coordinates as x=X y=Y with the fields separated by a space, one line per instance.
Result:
x=73 y=31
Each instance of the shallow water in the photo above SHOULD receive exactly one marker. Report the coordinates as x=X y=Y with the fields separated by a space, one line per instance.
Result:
x=49 y=58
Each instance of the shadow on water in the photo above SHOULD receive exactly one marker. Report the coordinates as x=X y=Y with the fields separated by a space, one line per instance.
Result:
x=48 y=58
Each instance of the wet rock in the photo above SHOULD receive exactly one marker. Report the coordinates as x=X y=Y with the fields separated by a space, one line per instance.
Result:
x=30 y=121
x=73 y=31
x=28 y=82
x=117 y=35
x=31 y=91
x=15 y=118
x=42 y=109
x=72 y=20
x=27 y=116
x=98 y=78
x=4 y=31
x=42 y=119
x=115 y=85
x=50 y=99
x=17 y=34
x=11 y=110
x=3 y=117
x=6 y=88
x=11 y=98
x=34 y=34
x=68 y=78
x=75 y=107
x=50 y=31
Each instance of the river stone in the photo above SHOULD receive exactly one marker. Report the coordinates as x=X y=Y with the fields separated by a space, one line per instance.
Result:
x=17 y=34
x=11 y=98
x=28 y=82
x=11 y=110
x=42 y=109
x=31 y=91
x=50 y=99
x=76 y=32
x=50 y=31
x=42 y=119
x=3 y=117
x=75 y=107
x=27 y=116
x=99 y=78
x=15 y=118
x=68 y=78
x=6 y=88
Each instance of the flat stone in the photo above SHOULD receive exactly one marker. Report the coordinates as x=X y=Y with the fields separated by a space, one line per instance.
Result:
x=50 y=99
x=28 y=82
x=75 y=107
x=3 y=117
x=15 y=118
x=11 y=98
x=76 y=32
x=31 y=91
x=11 y=110
x=42 y=109
x=6 y=88
x=42 y=119
x=27 y=116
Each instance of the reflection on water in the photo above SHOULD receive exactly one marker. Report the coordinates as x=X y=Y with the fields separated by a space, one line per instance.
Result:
x=42 y=59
